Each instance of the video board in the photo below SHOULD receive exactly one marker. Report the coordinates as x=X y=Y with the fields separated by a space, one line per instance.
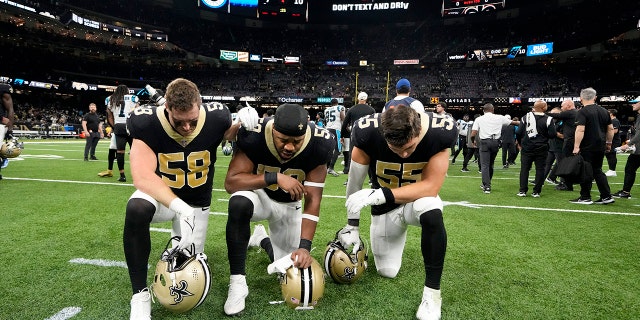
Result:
x=453 y=8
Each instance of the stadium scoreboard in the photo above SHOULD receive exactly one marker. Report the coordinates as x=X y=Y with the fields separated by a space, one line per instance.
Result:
x=465 y=7
x=296 y=9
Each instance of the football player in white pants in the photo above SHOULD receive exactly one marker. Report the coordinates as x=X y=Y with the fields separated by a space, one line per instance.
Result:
x=275 y=165
x=172 y=164
x=409 y=152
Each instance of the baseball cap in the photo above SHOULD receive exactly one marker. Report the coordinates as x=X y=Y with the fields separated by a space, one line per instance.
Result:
x=291 y=120
x=637 y=99
x=362 y=96
x=403 y=83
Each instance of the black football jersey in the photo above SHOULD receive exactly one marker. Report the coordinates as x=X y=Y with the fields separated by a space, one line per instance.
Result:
x=185 y=164
x=4 y=88
x=390 y=170
x=259 y=146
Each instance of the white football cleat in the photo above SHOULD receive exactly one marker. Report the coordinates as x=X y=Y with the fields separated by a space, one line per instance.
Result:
x=141 y=305
x=259 y=233
x=430 y=307
x=238 y=291
x=610 y=173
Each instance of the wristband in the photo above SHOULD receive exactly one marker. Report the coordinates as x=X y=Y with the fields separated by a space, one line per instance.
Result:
x=305 y=244
x=310 y=217
x=608 y=142
x=353 y=222
x=388 y=195
x=271 y=178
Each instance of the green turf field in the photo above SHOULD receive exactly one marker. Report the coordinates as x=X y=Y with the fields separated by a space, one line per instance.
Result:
x=507 y=257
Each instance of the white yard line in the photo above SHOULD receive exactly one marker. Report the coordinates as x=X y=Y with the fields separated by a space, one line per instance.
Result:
x=464 y=203
x=66 y=313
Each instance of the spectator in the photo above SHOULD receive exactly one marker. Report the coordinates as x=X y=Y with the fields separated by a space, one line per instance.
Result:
x=533 y=135
x=633 y=162
x=488 y=129
x=403 y=88
x=612 y=160
x=92 y=129
x=508 y=143
x=594 y=134
x=353 y=114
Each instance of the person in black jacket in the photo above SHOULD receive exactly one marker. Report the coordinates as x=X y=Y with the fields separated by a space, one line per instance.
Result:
x=533 y=135
x=568 y=118
x=353 y=114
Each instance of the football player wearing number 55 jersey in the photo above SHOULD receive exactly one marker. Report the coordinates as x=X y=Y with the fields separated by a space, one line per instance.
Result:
x=406 y=153
x=172 y=164
x=273 y=168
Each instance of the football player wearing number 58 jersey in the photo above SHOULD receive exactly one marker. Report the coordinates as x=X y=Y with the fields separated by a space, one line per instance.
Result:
x=172 y=165
x=406 y=152
x=274 y=167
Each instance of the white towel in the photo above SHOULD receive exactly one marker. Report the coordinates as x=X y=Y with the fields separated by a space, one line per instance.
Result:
x=532 y=130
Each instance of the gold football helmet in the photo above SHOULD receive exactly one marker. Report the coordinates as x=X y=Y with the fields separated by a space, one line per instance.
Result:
x=182 y=279
x=11 y=148
x=342 y=266
x=302 y=288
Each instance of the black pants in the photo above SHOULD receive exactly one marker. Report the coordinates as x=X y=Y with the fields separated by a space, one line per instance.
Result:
x=595 y=158
x=527 y=159
x=488 y=153
x=333 y=154
x=462 y=146
x=553 y=158
x=91 y=144
x=633 y=163
x=508 y=152
x=468 y=155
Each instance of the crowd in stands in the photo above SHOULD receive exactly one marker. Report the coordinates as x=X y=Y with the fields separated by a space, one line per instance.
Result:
x=44 y=50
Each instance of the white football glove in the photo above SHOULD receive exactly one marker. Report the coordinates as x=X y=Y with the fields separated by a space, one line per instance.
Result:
x=348 y=236
x=186 y=214
x=248 y=117
x=363 y=198
x=281 y=265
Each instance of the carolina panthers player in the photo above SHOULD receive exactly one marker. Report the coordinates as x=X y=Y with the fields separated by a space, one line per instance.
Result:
x=172 y=164
x=274 y=167
x=6 y=117
x=334 y=116
x=406 y=153
x=119 y=106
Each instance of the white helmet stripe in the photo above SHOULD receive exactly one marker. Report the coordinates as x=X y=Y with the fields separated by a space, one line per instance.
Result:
x=307 y=287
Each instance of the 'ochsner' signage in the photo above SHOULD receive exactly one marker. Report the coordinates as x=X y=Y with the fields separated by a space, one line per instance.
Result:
x=290 y=100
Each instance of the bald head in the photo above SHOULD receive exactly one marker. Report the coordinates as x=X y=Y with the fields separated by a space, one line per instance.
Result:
x=567 y=104
x=540 y=106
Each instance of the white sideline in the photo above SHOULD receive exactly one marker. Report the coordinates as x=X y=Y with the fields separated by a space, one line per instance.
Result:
x=462 y=203
x=66 y=313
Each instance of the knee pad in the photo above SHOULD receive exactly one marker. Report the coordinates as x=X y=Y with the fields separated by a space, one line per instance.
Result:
x=139 y=211
x=431 y=218
x=240 y=208
x=426 y=204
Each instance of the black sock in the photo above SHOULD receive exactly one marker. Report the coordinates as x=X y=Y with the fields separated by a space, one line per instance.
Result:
x=111 y=157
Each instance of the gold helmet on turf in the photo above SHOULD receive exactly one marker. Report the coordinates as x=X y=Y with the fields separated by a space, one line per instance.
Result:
x=303 y=288
x=11 y=149
x=342 y=266
x=182 y=279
